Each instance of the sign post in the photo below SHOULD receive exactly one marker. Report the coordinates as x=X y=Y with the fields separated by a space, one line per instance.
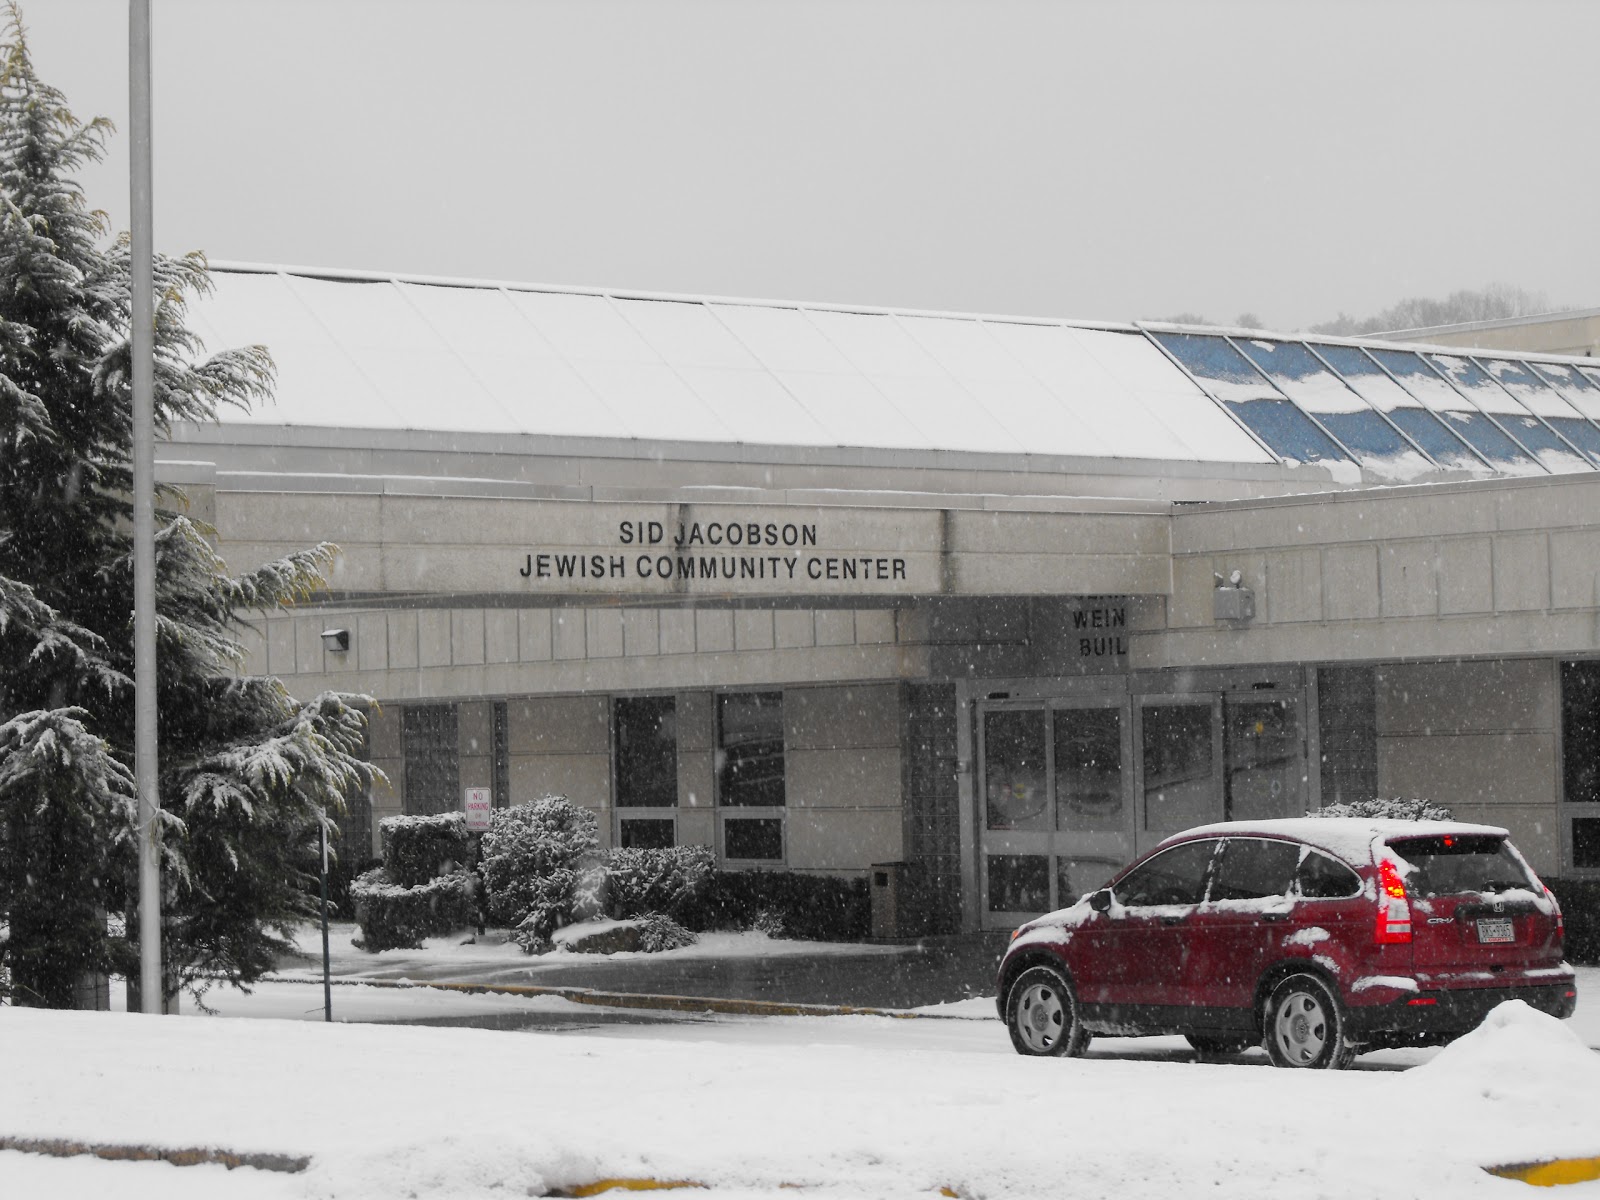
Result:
x=479 y=804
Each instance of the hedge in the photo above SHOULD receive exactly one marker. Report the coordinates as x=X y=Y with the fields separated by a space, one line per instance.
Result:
x=415 y=849
x=671 y=880
x=813 y=907
x=1580 y=909
x=393 y=916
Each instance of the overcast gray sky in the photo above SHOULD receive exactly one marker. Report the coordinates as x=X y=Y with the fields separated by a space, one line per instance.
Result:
x=1292 y=158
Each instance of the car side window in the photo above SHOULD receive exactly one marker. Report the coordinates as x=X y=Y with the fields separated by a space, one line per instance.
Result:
x=1253 y=868
x=1323 y=878
x=1175 y=876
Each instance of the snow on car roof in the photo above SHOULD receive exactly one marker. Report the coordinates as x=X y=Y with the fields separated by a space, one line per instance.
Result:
x=1348 y=837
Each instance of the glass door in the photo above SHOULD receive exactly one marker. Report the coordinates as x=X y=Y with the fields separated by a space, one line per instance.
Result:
x=1265 y=751
x=1180 y=765
x=1056 y=814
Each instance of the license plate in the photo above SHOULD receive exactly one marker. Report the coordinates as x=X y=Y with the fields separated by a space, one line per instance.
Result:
x=1495 y=929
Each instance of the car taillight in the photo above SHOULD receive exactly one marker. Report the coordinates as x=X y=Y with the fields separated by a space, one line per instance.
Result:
x=1561 y=922
x=1394 y=910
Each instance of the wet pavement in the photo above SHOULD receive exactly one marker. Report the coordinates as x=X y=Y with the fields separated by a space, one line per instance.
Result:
x=896 y=976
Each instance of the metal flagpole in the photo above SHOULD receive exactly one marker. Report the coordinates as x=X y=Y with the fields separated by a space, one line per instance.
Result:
x=151 y=986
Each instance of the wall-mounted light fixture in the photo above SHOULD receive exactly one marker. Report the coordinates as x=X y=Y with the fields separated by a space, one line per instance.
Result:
x=1231 y=601
x=336 y=639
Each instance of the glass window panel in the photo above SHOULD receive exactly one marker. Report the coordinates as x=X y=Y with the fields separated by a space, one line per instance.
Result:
x=1088 y=396
x=646 y=730
x=1089 y=770
x=750 y=748
x=1580 y=732
x=1586 y=843
x=757 y=839
x=1463 y=419
x=1264 y=772
x=948 y=413
x=852 y=412
x=1077 y=877
x=431 y=748
x=784 y=339
x=753 y=406
x=1592 y=374
x=583 y=328
x=1343 y=412
x=1170 y=396
x=1035 y=419
x=1518 y=379
x=1180 y=786
x=648 y=833
x=1227 y=373
x=1019 y=883
x=1404 y=409
x=963 y=347
x=1321 y=878
x=1287 y=430
x=1580 y=433
x=1175 y=876
x=1254 y=868
x=1570 y=382
x=1229 y=376
x=1511 y=414
x=685 y=333
x=875 y=344
x=652 y=402
x=1015 y=788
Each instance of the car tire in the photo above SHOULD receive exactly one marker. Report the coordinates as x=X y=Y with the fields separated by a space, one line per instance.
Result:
x=1303 y=1026
x=1042 y=1015
x=1208 y=1047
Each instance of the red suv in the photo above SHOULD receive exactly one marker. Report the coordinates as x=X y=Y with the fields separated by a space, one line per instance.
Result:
x=1321 y=937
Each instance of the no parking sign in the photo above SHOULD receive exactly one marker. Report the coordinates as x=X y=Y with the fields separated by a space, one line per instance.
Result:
x=478 y=806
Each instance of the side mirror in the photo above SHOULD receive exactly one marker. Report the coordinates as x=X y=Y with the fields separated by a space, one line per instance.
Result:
x=1100 y=901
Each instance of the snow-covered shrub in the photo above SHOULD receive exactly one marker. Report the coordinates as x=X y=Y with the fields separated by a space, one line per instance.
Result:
x=1397 y=808
x=415 y=849
x=768 y=921
x=539 y=867
x=669 y=880
x=658 y=932
x=394 y=916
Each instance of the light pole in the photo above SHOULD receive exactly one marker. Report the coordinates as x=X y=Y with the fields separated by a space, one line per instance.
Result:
x=142 y=252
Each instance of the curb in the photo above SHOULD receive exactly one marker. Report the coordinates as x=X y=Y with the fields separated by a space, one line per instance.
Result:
x=643 y=1000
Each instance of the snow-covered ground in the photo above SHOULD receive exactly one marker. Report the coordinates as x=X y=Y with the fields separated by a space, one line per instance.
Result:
x=836 y=1106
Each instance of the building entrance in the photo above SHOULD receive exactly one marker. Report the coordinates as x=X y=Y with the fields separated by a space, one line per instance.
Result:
x=1070 y=789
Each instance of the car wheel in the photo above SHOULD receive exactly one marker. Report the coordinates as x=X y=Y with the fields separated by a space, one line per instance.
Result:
x=1208 y=1047
x=1042 y=1014
x=1305 y=1026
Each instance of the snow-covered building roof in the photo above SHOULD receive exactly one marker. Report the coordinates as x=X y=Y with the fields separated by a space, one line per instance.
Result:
x=366 y=352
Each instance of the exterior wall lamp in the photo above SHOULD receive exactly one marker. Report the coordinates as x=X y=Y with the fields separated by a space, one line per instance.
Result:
x=1231 y=601
x=336 y=639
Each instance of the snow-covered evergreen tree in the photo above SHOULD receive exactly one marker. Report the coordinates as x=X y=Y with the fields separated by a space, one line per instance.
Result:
x=247 y=774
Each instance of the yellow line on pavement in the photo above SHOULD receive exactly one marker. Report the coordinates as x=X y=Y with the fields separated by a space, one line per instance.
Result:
x=1551 y=1173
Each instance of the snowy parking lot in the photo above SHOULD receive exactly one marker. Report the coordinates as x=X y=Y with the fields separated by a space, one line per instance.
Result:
x=837 y=1106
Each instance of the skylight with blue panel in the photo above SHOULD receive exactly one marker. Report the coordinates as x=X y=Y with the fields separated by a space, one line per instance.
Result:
x=1421 y=425
x=1233 y=381
x=1450 y=406
x=1344 y=413
x=1553 y=451
x=1545 y=402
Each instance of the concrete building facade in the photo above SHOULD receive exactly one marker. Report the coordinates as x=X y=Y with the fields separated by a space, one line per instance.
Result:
x=1003 y=601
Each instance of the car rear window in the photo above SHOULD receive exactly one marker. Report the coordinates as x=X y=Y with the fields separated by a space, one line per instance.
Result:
x=1450 y=864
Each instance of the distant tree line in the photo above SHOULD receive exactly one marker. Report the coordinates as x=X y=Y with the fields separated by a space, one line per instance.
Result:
x=1495 y=302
